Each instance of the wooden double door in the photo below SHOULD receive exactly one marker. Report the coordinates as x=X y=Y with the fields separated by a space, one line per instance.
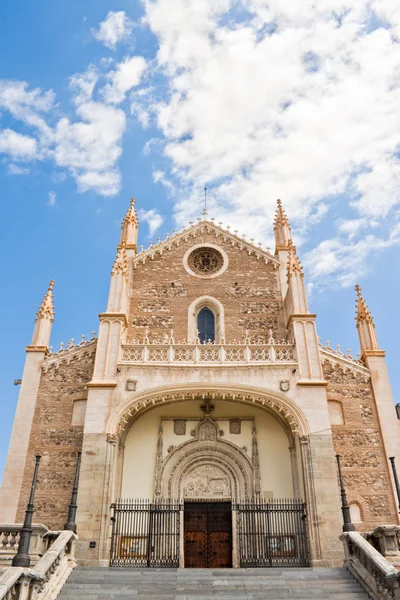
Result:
x=208 y=534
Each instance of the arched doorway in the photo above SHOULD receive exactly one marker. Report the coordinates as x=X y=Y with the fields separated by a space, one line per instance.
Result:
x=215 y=458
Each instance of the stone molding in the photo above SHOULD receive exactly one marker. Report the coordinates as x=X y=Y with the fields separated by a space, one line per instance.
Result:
x=200 y=229
x=139 y=402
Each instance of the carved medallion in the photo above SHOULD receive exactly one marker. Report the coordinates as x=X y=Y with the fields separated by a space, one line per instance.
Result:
x=130 y=385
x=284 y=385
x=235 y=426
x=180 y=427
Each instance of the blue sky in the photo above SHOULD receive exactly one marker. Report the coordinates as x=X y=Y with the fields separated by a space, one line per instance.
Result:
x=103 y=101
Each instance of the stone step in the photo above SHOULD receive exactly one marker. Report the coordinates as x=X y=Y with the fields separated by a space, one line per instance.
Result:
x=91 y=583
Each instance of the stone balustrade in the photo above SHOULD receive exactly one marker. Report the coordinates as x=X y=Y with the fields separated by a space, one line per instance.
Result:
x=9 y=540
x=379 y=578
x=192 y=354
x=47 y=578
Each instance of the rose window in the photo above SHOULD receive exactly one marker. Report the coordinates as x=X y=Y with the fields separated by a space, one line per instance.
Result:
x=205 y=261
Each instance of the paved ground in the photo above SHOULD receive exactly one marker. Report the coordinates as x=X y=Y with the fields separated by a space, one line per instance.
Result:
x=208 y=584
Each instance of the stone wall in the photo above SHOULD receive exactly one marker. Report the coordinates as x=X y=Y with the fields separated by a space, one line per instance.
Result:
x=53 y=436
x=359 y=442
x=163 y=290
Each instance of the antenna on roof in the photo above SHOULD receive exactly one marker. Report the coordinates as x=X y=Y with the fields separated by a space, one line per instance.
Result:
x=205 y=213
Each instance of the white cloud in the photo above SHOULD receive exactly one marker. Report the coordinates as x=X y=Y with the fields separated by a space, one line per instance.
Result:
x=52 y=199
x=90 y=148
x=14 y=169
x=153 y=219
x=17 y=145
x=127 y=75
x=83 y=84
x=116 y=28
x=297 y=100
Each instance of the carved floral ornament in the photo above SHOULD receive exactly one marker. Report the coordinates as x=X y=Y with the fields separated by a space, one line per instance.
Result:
x=280 y=405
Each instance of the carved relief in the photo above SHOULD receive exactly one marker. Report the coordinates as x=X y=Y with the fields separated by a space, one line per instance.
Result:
x=130 y=385
x=179 y=426
x=207 y=431
x=235 y=426
x=206 y=481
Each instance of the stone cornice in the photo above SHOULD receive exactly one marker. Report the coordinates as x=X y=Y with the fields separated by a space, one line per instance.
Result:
x=101 y=384
x=367 y=353
x=110 y=316
x=37 y=349
x=300 y=316
x=198 y=229
x=313 y=382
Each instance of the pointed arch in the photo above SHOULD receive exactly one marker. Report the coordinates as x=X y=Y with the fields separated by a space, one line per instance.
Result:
x=216 y=308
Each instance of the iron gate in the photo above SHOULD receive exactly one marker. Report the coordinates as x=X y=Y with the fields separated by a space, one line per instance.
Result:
x=145 y=534
x=272 y=533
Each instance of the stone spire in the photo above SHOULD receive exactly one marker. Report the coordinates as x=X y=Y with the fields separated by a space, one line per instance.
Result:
x=121 y=262
x=130 y=228
x=294 y=265
x=296 y=297
x=44 y=320
x=282 y=229
x=365 y=325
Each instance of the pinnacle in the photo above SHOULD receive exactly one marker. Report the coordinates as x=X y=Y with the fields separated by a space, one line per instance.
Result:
x=294 y=265
x=280 y=216
x=131 y=216
x=121 y=262
x=46 y=309
x=362 y=311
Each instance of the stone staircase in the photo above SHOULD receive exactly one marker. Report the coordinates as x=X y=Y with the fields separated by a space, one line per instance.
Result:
x=87 y=583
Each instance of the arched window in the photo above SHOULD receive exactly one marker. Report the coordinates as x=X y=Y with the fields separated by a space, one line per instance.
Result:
x=355 y=513
x=206 y=325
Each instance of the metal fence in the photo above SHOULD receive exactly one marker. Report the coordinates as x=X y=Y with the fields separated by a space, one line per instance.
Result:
x=272 y=533
x=145 y=533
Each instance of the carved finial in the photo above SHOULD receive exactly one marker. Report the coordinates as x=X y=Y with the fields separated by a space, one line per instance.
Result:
x=294 y=265
x=365 y=325
x=121 y=262
x=131 y=217
x=362 y=311
x=46 y=309
x=129 y=227
x=207 y=407
x=280 y=216
x=282 y=228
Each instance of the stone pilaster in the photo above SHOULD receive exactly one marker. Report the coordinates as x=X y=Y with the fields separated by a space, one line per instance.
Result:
x=21 y=432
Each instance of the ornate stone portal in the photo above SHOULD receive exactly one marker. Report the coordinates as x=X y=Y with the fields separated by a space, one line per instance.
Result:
x=207 y=466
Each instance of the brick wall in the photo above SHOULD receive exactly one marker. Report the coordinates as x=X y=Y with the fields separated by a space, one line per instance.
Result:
x=359 y=442
x=162 y=291
x=55 y=439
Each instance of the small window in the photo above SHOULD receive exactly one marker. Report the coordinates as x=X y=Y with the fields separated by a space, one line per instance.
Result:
x=335 y=412
x=355 y=513
x=206 y=325
x=78 y=413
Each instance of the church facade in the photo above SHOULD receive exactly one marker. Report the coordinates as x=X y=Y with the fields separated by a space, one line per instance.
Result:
x=206 y=390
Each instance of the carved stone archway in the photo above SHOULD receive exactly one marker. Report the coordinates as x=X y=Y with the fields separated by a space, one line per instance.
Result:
x=288 y=412
x=207 y=467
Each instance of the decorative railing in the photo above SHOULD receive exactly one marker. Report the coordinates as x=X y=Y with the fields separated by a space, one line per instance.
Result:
x=378 y=577
x=210 y=353
x=47 y=578
x=9 y=540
